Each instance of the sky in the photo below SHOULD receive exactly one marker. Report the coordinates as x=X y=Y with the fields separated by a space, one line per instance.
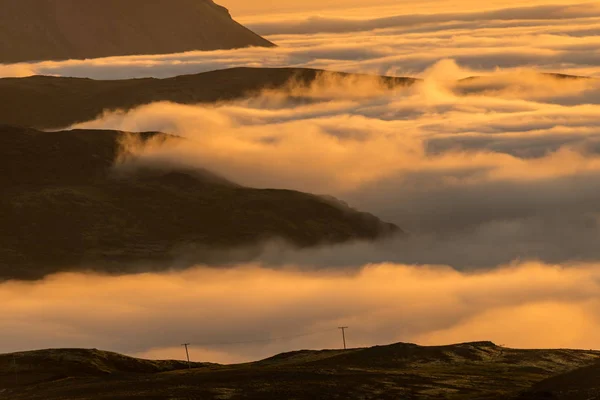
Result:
x=269 y=9
x=495 y=179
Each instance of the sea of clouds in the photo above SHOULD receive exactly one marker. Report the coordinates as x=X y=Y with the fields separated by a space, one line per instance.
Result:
x=551 y=38
x=479 y=172
x=496 y=180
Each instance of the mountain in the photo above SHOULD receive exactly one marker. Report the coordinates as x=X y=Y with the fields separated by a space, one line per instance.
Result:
x=53 y=102
x=479 y=370
x=46 y=102
x=33 y=30
x=64 y=204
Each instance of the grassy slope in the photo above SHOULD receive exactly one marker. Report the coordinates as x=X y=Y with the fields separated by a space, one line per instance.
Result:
x=33 y=367
x=580 y=384
x=400 y=371
x=52 y=102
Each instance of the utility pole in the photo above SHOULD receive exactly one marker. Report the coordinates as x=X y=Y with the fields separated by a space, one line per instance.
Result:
x=343 y=329
x=187 y=353
x=16 y=370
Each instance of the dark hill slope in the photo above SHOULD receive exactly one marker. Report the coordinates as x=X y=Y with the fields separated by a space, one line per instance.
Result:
x=50 y=365
x=63 y=205
x=76 y=29
x=401 y=371
x=581 y=384
x=52 y=102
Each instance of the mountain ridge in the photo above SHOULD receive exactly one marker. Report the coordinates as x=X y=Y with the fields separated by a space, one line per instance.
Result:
x=472 y=370
x=36 y=30
x=65 y=208
x=45 y=102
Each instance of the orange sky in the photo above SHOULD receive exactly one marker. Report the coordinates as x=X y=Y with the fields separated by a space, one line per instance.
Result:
x=342 y=8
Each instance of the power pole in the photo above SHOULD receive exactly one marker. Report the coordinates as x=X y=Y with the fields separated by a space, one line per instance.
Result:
x=343 y=329
x=187 y=353
x=16 y=370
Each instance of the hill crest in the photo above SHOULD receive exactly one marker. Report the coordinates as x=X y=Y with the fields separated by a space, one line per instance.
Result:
x=477 y=370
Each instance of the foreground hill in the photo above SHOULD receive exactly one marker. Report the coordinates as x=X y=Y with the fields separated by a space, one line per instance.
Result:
x=63 y=204
x=400 y=371
x=53 y=102
x=34 y=367
x=580 y=384
x=76 y=29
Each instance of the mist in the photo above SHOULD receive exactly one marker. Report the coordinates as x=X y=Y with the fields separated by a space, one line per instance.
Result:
x=495 y=180
x=529 y=305
x=478 y=172
x=551 y=37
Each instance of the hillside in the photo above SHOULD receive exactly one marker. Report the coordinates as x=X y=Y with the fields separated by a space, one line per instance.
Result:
x=46 y=102
x=401 y=371
x=53 y=102
x=33 y=367
x=34 y=30
x=63 y=204
x=580 y=384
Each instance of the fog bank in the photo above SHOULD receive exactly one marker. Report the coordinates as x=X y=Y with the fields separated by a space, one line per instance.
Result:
x=529 y=305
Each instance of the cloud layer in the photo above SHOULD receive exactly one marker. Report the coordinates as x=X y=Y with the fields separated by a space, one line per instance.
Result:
x=262 y=10
x=481 y=172
x=484 y=174
x=530 y=305
x=541 y=13
x=551 y=37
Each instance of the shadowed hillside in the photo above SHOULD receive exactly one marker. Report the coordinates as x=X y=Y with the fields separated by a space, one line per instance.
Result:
x=400 y=371
x=32 y=367
x=64 y=205
x=45 y=102
x=52 y=102
x=34 y=30
x=581 y=384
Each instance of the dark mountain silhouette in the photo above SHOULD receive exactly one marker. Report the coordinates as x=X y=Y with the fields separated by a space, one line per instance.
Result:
x=34 y=30
x=45 y=102
x=484 y=78
x=51 y=102
x=479 y=370
x=63 y=205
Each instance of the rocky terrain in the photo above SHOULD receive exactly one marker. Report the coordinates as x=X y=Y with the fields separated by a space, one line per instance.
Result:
x=34 y=30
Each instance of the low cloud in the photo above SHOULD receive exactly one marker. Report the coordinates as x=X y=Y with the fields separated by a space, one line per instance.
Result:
x=551 y=37
x=506 y=166
x=527 y=305
x=495 y=179
x=338 y=25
